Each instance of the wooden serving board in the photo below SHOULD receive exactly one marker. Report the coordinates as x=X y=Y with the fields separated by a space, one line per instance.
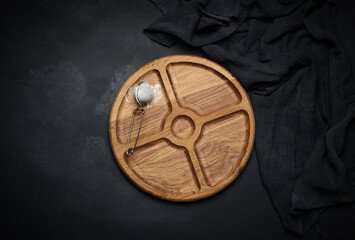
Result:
x=197 y=133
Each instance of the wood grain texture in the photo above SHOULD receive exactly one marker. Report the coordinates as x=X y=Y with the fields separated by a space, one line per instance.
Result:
x=164 y=166
x=197 y=133
x=214 y=93
x=182 y=127
x=221 y=146
x=153 y=119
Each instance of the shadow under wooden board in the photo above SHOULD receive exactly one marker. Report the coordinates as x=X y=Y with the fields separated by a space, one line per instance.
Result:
x=197 y=133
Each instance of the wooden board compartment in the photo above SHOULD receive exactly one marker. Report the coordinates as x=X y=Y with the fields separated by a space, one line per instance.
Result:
x=197 y=133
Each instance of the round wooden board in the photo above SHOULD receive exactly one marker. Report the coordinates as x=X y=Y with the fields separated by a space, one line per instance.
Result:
x=197 y=133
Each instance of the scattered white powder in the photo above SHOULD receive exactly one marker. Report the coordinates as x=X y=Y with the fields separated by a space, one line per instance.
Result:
x=130 y=92
x=158 y=94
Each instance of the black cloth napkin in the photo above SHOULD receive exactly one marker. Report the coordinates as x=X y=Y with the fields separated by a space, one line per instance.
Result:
x=287 y=56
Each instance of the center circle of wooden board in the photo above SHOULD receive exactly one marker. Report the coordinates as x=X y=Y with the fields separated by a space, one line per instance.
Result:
x=197 y=133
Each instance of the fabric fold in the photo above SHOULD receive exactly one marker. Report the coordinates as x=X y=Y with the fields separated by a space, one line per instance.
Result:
x=287 y=56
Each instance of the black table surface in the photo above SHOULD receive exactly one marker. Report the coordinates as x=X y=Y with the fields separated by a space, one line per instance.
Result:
x=62 y=63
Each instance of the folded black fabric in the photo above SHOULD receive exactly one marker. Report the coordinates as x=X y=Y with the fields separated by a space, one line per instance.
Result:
x=287 y=56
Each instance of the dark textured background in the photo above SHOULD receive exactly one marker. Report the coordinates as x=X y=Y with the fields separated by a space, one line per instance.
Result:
x=62 y=63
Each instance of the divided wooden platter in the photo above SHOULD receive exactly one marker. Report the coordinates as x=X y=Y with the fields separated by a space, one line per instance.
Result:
x=197 y=133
